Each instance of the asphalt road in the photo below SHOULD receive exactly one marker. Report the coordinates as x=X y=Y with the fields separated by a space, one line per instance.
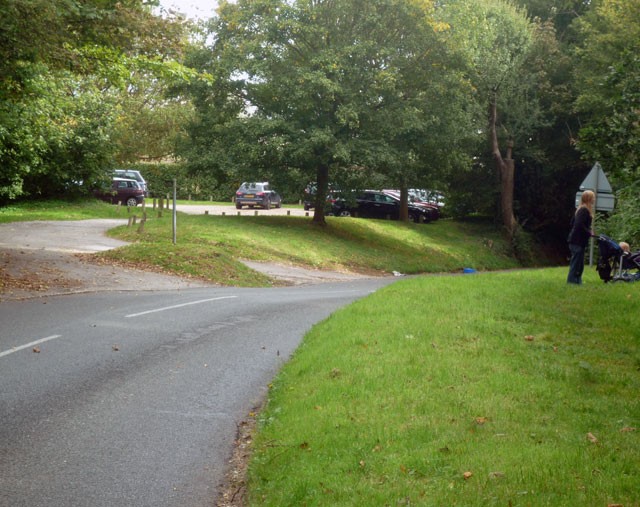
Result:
x=132 y=398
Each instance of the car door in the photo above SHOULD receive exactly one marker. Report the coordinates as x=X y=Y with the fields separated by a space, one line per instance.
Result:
x=367 y=207
x=388 y=207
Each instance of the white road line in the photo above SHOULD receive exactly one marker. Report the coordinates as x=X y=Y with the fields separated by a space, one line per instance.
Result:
x=178 y=306
x=42 y=340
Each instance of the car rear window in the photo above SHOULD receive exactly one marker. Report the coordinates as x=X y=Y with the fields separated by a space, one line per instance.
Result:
x=252 y=187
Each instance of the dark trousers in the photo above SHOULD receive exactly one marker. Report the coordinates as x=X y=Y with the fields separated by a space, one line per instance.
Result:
x=576 y=264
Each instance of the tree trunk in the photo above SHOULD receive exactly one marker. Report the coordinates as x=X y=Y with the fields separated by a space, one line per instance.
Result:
x=506 y=169
x=404 y=203
x=322 y=191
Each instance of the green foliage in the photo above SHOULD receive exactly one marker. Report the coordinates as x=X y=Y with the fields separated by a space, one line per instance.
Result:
x=304 y=88
x=466 y=390
x=67 y=71
x=608 y=79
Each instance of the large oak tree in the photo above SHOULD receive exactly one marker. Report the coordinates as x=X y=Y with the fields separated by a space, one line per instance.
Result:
x=316 y=87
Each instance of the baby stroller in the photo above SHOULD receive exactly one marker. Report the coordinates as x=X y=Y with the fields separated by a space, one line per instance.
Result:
x=616 y=265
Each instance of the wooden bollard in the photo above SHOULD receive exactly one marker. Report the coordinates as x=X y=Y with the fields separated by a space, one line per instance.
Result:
x=255 y=213
x=288 y=212
x=224 y=213
x=206 y=212
x=130 y=221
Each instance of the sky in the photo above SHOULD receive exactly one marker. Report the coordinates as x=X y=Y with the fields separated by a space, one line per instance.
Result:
x=194 y=9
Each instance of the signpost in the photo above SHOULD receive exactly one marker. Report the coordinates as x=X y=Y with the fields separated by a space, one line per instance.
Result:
x=597 y=182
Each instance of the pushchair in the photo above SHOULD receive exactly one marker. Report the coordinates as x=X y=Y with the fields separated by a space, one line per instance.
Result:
x=616 y=265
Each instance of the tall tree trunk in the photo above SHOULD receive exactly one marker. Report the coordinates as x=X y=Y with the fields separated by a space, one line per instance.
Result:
x=404 y=203
x=506 y=169
x=322 y=191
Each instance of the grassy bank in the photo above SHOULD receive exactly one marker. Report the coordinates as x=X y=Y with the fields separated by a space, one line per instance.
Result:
x=210 y=247
x=475 y=390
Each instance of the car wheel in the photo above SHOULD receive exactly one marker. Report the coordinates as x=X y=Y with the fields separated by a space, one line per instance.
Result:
x=306 y=207
x=132 y=202
x=279 y=205
x=344 y=213
x=267 y=205
x=238 y=206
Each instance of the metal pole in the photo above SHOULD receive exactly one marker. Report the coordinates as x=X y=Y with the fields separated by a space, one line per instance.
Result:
x=174 y=210
x=595 y=209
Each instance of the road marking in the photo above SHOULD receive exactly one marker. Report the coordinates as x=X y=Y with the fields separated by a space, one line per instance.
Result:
x=16 y=349
x=178 y=306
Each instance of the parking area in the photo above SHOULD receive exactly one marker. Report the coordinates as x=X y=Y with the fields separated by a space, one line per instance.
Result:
x=202 y=209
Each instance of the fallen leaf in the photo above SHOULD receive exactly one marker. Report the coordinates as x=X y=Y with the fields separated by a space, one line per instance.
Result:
x=496 y=475
x=467 y=475
x=362 y=463
x=115 y=348
x=592 y=438
x=481 y=420
x=627 y=429
x=36 y=350
x=529 y=338
x=615 y=505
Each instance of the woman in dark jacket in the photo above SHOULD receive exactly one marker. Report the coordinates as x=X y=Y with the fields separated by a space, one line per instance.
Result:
x=579 y=236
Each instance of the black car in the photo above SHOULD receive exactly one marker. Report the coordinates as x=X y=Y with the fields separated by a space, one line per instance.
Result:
x=310 y=196
x=376 y=204
x=257 y=194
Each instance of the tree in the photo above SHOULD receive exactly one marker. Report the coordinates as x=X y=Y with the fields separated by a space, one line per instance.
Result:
x=496 y=38
x=608 y=81
x=320 y=87
x=64 y=66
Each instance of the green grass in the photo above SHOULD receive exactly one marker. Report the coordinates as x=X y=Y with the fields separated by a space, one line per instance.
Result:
x=210 y=247
x=60 y=210
x=391 y=400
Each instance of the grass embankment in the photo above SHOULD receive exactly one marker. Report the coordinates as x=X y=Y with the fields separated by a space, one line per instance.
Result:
x=211 y=247
x=474 y=390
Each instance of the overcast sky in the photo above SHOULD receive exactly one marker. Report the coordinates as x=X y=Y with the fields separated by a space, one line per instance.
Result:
x=195 y=9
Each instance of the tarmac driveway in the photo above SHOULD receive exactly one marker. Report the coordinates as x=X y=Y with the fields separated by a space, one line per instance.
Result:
x=45 y=258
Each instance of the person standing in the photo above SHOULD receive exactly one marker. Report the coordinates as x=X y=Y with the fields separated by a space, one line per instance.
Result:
x=579 y=236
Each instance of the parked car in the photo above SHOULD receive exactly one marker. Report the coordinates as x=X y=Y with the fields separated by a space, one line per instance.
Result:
x=257 y=194
x=122 y=191
x=132 y=175
x=378 y=204
x=432 y=209
x=310 y=196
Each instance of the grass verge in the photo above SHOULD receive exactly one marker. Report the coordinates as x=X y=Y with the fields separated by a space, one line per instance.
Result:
x=475 y=390
x=210 y=247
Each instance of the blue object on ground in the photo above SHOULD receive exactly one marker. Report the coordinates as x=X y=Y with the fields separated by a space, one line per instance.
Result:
x=469 y=270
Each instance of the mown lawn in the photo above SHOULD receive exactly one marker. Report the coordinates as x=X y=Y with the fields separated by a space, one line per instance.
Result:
x=473 y=390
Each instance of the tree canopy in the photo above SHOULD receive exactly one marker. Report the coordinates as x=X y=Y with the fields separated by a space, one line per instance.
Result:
x=320 y=87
